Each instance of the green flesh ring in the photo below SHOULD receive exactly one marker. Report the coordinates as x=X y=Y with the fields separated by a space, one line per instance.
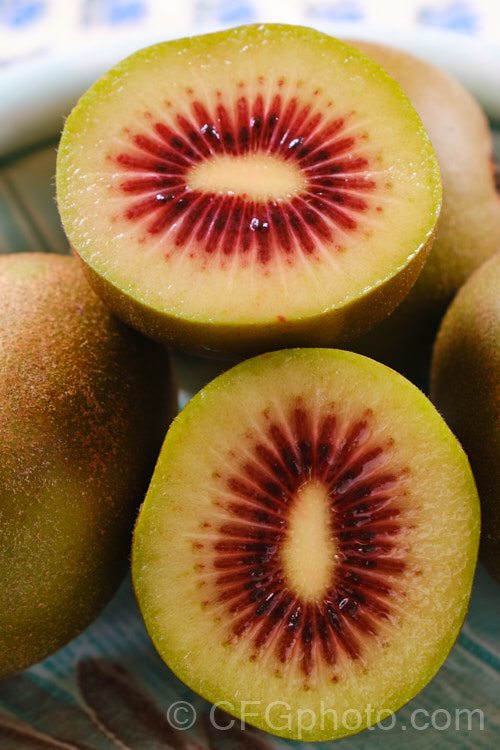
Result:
x=306 y=549
x=249 y=189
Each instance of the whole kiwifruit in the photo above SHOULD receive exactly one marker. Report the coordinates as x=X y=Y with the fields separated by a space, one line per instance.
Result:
x=84 y=405
x=465 y=386
x=468 y=228
x=305 y=553
x=250 y=189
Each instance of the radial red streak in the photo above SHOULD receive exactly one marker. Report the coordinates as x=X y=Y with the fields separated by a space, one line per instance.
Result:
x=226 y=129
x=195 y=213
x=221 y=222
x=256 y=514
x=290 y=636
x=176 y=142
x=284 y=127
x=334 y=149
x=316 y=222
x=194 y=137
x=165 y=153
x=273 y=462
x=256 y=123
x=271 y=123
x=243 y=123
x=229 y=239
x=320 y=182
x=206 y=225
x=277 y=470
x=267 y=629
x=165 y=220
x=143 y=207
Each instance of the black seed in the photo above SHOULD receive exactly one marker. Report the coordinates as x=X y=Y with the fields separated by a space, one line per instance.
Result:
x=181 y=204
x=351 y=576
x=263 y=608
x=210 y=131
x=360 y=509
x=322 y=628
x=273 y=489
x=323 y=451
x=258 y=573
x=351 y=607
x=307 y=633
x=366 y=534
x=290 y=461
x=294 y=620
x=255 y=595
x=279 y=612
x=244 y=135
x=220 y=222
x=332 y=618
x=367 y=549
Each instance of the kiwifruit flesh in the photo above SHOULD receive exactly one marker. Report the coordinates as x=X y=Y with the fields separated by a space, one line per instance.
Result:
x=84 y=405
x=465 y=386
x=468 y=228
x=305 y=553
x=248 y=189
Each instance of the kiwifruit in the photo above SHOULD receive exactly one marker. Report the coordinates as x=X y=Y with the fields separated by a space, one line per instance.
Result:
x=468 y=229
x=305 y=553
x=84 y=405
x=465 y=386
x=249 y=189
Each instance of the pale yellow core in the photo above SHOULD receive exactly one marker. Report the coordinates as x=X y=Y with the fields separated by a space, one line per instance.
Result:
x=259 y=177
x=309 y=549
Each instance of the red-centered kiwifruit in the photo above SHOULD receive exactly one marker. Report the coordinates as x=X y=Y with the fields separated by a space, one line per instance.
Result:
x=305 y=553
x=250 y=189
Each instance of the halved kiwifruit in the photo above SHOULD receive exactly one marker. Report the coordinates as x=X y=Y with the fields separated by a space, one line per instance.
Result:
x=250 y=189
x=304 y=556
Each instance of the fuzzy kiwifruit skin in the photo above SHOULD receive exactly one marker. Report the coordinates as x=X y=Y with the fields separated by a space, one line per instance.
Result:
x=468 y=227
x=84 y=405
x=465 y=386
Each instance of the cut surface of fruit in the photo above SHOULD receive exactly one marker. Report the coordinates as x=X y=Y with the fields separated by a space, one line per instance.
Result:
x=264 y=184
x=308 y=542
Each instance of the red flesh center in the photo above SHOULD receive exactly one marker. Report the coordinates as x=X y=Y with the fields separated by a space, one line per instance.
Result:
x=222 y=224
x=362 y=494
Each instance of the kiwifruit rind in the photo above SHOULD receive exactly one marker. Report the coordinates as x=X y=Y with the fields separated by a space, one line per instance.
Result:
x=307 y=543
x=465 y=386
x=85 y=402
x=244 y=190
x=468 y=228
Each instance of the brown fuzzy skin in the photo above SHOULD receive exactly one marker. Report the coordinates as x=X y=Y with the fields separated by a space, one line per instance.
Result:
x=84 y=405
x=465 y=386
x=468 y=228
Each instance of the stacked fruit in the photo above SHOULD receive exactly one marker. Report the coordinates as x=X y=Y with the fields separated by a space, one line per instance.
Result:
x=266 y=188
